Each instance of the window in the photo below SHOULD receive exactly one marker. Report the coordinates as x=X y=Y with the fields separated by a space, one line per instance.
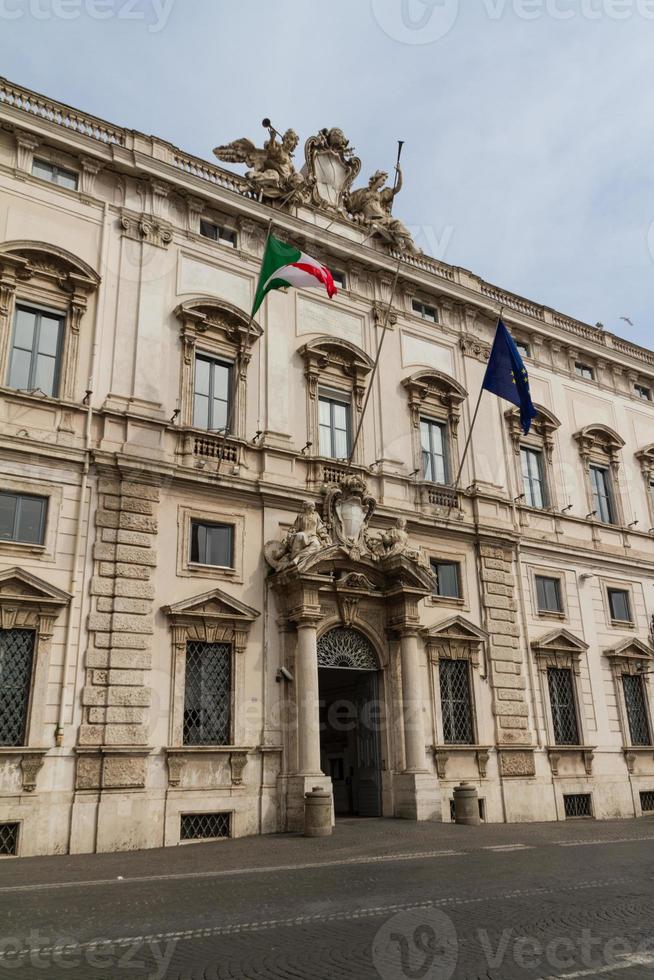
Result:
x=434 y=458
x=9 y=838
x=456 y=704
x=577 y=805
x=426 y=312
x=208 y=694
x=647 y=800
x=340 y=279
x=600 y=480
x=562 y=701
x=642 y=391
x=533 y=477
x=204 y=826
x=448 y=579
x=634 y=697
x=54 y=174
x=212 y=393
x=524 y=349
x=584 y=371
x=334 y=424
x=16 y=658
x=36 y=351
x=22 y=517
x=217 y=233
x=620 y=605
x=212 y=544
x=548 y=594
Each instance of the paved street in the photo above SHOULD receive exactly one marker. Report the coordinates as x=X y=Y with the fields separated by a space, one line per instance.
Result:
x=385 y=899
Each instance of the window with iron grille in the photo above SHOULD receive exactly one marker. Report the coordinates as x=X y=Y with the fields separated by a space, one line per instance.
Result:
x=22 y=517
x=36 y=351
x=448 y=579
x=204 y=826
x=634 y=696
x=208 y=694
x=562 y=701
x=548 y=593
x=577 y=805
x=456 y=703
x=620 y=605
x=9 y=839
x=16 y=657
x=647 y=800
x=212 y=544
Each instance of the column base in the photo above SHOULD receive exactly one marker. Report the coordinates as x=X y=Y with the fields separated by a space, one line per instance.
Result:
x=296 y=787
x=417 y=796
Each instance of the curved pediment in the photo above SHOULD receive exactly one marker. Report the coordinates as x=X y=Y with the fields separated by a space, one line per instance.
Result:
x=205 y=312
x=437 y=383
x=601 y=437
x=34 y=257
x=544 y=416
x=334 y=350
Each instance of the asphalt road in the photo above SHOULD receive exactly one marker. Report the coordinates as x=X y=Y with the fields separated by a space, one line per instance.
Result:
x=382 y=900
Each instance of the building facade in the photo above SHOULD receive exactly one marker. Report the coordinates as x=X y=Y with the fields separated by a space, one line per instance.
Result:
x=205 y=610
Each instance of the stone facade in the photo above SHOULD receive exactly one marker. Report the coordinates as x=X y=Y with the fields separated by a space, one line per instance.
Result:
x=431 y=596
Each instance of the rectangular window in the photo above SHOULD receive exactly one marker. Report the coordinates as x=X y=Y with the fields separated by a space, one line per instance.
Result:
x=204 y=826
x=35 y=352
x=334 y=420
x=9 y=839
x=584 y=371
x=448 y=579
x=22 y=517
x=456 y=703
x=435 y=467
x=600 y=480
x=55 y=175
x=16 y=658
x=642 y=391
x=212 y=544
x=647 y=800
x=562 y=701
x=620 y=605
x=424 y=311
x=212 y=393
x=548 y=594
x=217 y=233
x=634 y=697
x=340 y=279
x=208 y=694
x=524 y=349
x=577 y=805
x=533 y=477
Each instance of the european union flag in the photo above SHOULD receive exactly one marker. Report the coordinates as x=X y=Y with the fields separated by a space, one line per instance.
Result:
x=506 y=376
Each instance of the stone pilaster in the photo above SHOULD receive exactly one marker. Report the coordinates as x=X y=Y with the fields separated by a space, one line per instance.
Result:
x=116 y=697
x=506 y=666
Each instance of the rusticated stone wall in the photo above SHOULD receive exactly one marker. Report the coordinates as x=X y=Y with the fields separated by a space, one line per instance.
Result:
x=116 y=696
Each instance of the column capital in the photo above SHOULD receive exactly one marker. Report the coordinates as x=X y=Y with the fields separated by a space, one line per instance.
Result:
x=306 y=620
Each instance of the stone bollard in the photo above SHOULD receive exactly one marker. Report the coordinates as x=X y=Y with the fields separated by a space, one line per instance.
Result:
x=318 y=813
x=466 y=805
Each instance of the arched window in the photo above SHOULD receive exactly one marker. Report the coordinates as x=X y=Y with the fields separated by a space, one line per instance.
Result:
x=533 y=456
x=348 y=648
x=599 y=448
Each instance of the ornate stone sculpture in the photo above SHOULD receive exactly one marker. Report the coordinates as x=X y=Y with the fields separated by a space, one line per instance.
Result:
x=372 y=206
x=330 y=168
x=307 y=536
x=273 y=174
x=393 y=542
x=349 y=507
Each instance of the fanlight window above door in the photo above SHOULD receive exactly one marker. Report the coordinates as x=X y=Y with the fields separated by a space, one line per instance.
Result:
x=347 y=648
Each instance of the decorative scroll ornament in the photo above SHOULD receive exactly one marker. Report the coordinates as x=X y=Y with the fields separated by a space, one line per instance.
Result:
x=272 y=174
x=330 y=168
x=346 y=647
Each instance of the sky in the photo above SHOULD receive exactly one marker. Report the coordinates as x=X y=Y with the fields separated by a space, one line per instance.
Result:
x=529 y=143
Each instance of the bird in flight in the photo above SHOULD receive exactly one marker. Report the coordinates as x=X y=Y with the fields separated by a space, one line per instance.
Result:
x=627 y=320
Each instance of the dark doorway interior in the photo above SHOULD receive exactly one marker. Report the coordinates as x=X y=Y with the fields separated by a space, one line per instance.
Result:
x=350 y=722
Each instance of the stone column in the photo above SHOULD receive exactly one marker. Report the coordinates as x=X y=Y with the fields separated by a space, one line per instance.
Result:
x=307 y=694
x=414 y=736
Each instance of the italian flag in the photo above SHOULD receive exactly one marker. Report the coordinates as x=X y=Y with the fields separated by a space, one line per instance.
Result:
x=285 y=266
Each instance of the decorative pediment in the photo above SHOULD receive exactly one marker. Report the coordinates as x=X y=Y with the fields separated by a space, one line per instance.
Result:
x=212 y=605
x=22 y=588
x=455 y=638
x=331 y=355
x=434 y=390
x=559 y=648
x=544 y=426
x=631 y=649
x=646 y=459
x=220 y=321
x=599 y=439
x=25 y=259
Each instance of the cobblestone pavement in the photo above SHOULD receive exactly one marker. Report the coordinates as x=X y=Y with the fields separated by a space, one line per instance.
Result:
x=379 y=899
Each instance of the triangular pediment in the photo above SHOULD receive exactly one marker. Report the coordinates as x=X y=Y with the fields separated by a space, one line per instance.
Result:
x=559 y=641
x=456 y=629
x=632 y=647
x=215 y=604
x=21 y=586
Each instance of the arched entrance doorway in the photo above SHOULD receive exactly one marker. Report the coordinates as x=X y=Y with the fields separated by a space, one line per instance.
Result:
x=350 y=721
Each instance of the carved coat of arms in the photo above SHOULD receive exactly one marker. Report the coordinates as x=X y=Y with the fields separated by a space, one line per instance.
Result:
x=331 y=168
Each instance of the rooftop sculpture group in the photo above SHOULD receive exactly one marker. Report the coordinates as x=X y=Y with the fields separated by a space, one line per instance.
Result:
x=325 y=181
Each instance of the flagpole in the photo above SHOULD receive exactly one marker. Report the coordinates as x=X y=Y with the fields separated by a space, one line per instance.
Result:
x=387 y=313
x=474 y=419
